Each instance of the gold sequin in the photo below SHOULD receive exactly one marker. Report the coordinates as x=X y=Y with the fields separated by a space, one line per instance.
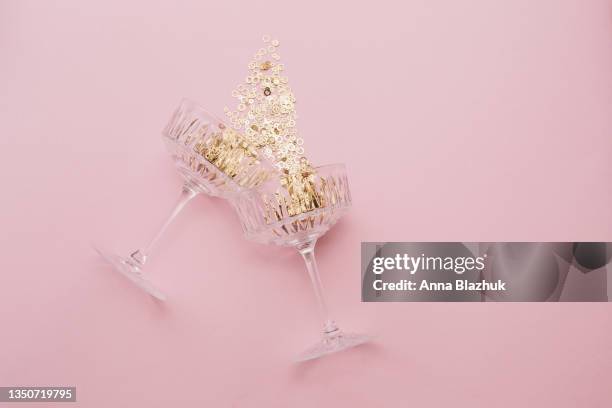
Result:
x=266 y=115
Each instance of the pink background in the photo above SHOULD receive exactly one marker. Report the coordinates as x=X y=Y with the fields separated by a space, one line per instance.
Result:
x=475 y=120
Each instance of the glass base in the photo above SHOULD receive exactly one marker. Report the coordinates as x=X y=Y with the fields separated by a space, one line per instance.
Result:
x=131 y=271
x=333 y=343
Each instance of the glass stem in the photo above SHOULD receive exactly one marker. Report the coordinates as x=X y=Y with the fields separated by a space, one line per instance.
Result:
x=139 y=257
x=307 y=252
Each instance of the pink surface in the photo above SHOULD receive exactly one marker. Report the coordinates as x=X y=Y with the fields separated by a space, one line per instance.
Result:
x=480 y=120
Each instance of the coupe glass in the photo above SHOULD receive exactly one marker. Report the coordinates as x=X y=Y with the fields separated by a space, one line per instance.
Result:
x=273 y=214
x=213 y=159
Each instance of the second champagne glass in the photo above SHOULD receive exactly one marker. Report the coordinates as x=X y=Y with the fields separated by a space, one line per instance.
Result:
x=274 y=214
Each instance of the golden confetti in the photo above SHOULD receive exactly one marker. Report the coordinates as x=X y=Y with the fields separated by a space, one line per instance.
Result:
x=266 y=116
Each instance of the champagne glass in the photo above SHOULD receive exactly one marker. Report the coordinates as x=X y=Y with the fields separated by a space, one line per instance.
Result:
x=276 y=214
x=213 y=159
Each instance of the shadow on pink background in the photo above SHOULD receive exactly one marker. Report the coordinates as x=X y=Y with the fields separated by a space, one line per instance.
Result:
x=460 y=121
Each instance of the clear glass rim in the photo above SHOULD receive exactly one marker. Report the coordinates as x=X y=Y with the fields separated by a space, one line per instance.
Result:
x=187 y=104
